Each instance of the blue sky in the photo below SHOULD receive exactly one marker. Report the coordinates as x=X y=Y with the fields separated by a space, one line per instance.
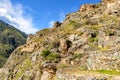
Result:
x=31 y=16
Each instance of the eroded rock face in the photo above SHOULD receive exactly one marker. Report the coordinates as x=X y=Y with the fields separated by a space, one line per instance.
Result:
x=86 y=47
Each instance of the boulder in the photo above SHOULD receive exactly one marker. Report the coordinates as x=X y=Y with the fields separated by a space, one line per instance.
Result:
x=49 y=66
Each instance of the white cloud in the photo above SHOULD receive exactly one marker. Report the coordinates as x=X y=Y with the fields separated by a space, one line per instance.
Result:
x=3 y=11
x=51 y=23
x=14 y=14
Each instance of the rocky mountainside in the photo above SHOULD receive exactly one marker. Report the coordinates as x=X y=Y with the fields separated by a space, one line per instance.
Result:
x=10 y=38
x=86 y=46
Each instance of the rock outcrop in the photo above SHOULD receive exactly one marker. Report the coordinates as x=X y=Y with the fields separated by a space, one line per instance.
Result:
x=57 y=24
x=86 y=7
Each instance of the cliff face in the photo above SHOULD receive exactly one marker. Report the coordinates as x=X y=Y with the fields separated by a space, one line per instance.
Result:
x=86 y=46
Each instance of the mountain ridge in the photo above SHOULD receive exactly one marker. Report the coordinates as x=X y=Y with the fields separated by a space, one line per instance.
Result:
x=10 y=38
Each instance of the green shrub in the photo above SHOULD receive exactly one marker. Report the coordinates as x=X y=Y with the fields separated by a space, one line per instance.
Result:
x=93 y=39
x=75 y=56
x=52 y=56
x=45 y=53
x=48 y=55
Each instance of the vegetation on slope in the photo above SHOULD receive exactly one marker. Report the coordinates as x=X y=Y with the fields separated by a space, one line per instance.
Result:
x=10 y=38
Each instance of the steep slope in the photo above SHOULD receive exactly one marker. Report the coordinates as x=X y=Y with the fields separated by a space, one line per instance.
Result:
x=86 y=46
x=10 y=38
